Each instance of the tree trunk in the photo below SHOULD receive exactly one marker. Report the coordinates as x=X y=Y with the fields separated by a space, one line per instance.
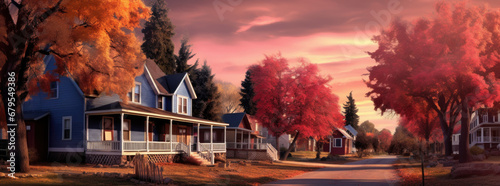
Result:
x=291 y=146
x=463 y=146
x=278 y=144
x=319 y=146
x=446 y=135
x=21 y=145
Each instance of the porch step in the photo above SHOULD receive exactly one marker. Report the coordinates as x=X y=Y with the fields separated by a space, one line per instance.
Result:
x=199 y=158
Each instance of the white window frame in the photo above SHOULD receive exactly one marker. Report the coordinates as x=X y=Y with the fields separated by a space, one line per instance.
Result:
x=206 y=136
x=70 y=127
x=57 y=91
x=112 y=128
x=335 y=142
x=133 y=93
x=182 y=105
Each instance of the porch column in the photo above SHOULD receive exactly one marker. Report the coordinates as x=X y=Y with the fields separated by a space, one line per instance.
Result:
x=249 y=140
x=330 y=146
x=225 y=140
x=86 y=131
x=235 y=139
x=147 y=133
x=121 y=132
x=212 y=144
x=241 y=143
x=170 y=134
x=482 y=135
x=198 y=139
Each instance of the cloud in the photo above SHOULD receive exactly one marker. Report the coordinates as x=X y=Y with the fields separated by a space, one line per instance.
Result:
x=259 y=21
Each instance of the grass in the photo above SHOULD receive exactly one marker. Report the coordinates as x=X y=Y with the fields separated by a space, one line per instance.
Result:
x=236 y=174
x=410 y=173
x=66 y=180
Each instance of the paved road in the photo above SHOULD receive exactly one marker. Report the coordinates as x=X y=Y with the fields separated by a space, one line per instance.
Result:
x=374 y=171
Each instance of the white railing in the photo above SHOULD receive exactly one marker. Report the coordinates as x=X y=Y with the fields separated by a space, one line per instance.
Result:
x=182 y=147
x=216 y=147
x=103 y=145
x=219 y=147
x=272 y=152
x=159 y=146
x=134 y=146
x=231 y=145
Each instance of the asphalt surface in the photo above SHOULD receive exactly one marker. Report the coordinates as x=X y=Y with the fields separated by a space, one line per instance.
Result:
x=375 y=171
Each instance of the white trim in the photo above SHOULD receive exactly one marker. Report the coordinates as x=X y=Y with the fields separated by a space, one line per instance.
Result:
x=40 y=117
x=70 y=127
x=66 y=149
x=159 y=116
x=162 y=102
x=151 y=79
x=334 y=144
x=129 y=129
x=190 y=86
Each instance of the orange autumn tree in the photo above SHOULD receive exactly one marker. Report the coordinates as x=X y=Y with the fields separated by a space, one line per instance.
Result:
x=91 y=40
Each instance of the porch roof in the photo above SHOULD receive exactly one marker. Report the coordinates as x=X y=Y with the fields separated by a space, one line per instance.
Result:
x=135 y=109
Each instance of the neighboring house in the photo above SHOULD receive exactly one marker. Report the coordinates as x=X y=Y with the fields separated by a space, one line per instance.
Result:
x=305 y=144
x=157 y=120
x=244 y=138
x=284 y=139
x=351 y=131
x=484 y=130
x=340 y=143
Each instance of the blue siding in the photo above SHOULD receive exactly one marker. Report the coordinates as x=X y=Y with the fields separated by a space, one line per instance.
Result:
x=168 y=103
x=70 y=102
x=183 y=91
x=148 y=97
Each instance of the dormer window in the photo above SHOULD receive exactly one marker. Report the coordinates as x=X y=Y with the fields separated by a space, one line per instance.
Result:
x=54 y=90
x=182 y=105
x=160 y=102
x=135 y=94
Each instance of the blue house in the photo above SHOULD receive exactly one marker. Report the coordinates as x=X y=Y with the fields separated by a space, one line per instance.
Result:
x=155 y=120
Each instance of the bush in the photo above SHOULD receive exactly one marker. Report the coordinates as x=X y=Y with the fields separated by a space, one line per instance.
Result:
x=475 y=150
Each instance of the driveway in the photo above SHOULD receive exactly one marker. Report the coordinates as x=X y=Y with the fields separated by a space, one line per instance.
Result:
x=373 y=171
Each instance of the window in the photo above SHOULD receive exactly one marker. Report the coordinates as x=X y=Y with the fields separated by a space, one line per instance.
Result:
x=206 y=137
x=54 y=86
x=66 y=128
x=337 y=142
x=135 y=94
x=160 y=102
x=182 y=105
x=107 y=126
x=126 y=129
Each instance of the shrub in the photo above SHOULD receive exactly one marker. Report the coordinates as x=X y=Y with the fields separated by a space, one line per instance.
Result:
x=475 y=150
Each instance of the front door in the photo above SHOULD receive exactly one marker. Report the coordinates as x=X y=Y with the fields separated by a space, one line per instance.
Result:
x=150 y=131
x=182 y=135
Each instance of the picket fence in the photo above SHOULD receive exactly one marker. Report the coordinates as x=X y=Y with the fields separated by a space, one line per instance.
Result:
x=146 y=170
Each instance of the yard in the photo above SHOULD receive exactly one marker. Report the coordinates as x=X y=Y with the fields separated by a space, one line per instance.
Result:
x=310 y=156
x=410 y=173
x=182 y=174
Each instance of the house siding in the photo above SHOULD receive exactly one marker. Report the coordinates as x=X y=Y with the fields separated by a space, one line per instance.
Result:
x=70 y=102
x=183 y=91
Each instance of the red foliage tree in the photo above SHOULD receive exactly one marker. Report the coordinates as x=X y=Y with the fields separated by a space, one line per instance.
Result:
x=385 y=137
x=294 y=100
x=448 y=62
x=422 y=123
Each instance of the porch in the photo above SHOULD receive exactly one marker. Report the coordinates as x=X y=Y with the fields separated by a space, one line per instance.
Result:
x=128 y=131
x=487 y=137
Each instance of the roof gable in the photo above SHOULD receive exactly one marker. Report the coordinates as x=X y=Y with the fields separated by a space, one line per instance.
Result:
x=166 y=84
x=233 y=119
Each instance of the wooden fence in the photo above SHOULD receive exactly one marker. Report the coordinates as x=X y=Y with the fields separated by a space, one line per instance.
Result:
x=146 y=170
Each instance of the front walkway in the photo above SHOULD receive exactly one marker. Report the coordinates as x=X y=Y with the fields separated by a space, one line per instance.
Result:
x=374 y=171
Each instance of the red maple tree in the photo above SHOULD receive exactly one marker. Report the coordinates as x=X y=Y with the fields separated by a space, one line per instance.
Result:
x=385 y=137
x=447 y=61
x=295 y=101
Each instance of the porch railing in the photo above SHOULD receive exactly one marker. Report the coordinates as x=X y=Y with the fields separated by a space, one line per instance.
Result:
x=103 y=145
x=134 y=146
x=216 y=147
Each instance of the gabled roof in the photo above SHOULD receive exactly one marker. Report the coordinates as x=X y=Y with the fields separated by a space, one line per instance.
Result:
x=233 y=119
x=166 y=84
x=343 y=132
x=135 y=109
x=351 y=129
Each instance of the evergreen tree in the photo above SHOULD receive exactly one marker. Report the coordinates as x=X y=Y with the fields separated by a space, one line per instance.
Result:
x=350 y=112
x=247 y=93
x=208 y=105
x=158 y=32
x=181 y=60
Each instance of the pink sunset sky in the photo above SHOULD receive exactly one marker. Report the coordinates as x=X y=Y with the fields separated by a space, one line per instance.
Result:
x=233 y=34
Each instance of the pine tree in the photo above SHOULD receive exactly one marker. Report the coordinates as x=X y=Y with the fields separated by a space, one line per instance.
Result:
x=158 y=32
x=247 y=93
x=208 y=105
x=350 y=112
x=185 y=54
